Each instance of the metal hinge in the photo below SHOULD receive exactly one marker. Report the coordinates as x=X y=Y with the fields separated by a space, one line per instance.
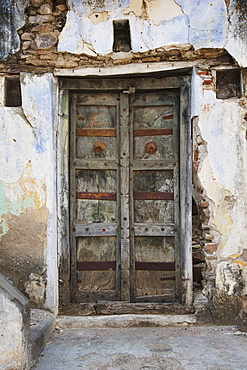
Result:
x=131 y=90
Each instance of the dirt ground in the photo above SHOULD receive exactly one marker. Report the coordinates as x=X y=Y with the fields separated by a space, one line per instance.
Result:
x=173 y=348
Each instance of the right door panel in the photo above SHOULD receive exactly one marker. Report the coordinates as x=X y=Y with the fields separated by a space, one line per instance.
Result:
x=154 y=206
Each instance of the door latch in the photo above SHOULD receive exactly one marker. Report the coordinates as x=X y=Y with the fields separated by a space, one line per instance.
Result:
x=131 y=90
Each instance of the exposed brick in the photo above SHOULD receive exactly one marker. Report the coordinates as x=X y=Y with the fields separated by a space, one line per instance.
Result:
x=210 y=247
x=45 y=9
x=27 y=36
x=40 y=19
x=204 y=204
x=26 y=45
x=36 y=3
x=43 y=28
x=61 y=7
x=47 y=56
x=151 y=59
x=207 y=82
x=44 y=41
x=208 y=236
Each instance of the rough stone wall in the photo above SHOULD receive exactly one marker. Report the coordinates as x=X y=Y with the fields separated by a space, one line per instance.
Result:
x=80 y=33
x=57 y=35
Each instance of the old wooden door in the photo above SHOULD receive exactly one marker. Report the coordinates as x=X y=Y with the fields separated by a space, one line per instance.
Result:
x=125 y=195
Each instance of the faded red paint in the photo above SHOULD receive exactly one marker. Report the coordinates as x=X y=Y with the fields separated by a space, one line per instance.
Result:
x=148 y=195
x=153 y=132
x=94 y=132
x=96 y=196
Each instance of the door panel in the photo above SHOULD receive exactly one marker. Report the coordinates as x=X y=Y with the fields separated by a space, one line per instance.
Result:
x=124 y=196
x=154 y=204
x=94 y=197
x=96 y=268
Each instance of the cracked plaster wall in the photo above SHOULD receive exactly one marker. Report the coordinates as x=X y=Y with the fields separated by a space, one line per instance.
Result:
x=28 y=135
x=154 y=24
x=222 y=174
x=12 y=18
x=28 y=190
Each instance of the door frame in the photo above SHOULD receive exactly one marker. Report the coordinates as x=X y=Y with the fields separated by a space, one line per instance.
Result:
x=170 y=80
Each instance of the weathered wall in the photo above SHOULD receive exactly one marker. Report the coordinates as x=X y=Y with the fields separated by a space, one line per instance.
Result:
x=67 y=38
x=220 y=190
x=28 y=188
x=14 y=327
x=155 y=24
x=12 y=18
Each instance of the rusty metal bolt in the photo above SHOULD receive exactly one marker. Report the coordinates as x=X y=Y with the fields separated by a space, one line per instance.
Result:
x=99 y=147
x=151 y=147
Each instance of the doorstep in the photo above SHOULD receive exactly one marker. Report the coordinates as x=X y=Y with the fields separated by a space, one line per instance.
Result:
x=42 y=325
x=125 y=321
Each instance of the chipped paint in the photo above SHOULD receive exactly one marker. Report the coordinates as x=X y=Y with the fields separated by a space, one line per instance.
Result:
x=242 y=263
x=28 y=183
x=98 y=17
x=28 y=186
x=155 y=10
x=24 y=194
x=234 y=256
x=12 y=18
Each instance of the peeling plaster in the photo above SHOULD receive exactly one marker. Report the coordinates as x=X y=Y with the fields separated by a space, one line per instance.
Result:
x=28 y=185
x=99 y=17
x=231 y=278
x=220 y=173
x=207 y=22
x=153 y=25
x=157 y=24
x=155 y=10
x=237 y=30
x=12 y=18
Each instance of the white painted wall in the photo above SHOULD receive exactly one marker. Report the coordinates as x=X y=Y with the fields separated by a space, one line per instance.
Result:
x=223 y=175
x=203 y=24
x=28 y=165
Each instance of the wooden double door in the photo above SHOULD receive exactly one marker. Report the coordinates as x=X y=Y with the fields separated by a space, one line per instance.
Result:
x=124 y=186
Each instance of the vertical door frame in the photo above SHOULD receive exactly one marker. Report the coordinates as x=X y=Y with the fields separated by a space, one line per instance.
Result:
x=181 y=82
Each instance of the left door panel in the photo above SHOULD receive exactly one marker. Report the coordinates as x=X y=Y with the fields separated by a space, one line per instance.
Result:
x=94 y=209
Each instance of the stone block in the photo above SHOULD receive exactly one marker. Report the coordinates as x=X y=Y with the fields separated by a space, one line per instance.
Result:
x=45 y=9
x=44 y=41
x=40 y=18
x=204 y=204
x=27 y=36
x=208 y=236
x=43 y=28
x=210 y=247
x=36 y=3
x=14 y=327
x=61 y=7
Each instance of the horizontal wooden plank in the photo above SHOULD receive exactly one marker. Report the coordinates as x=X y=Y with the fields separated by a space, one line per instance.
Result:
x=96 y=196
x=94 y=164
x=160 y=164
x=96 y=132
x=155 y=266
x=96 y=265
x=95 y=295
x=153 y=132
x=157 y=298
x=144 y=83
x=149 y=229
x=111 y=308
x=165 y=278
x=149 y=195
x=94 y=229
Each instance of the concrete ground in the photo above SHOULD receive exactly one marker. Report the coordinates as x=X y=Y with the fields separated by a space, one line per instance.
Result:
x=187 y=347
